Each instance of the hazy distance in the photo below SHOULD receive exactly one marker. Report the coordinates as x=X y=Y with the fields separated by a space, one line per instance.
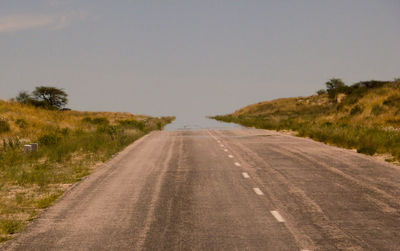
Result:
x=193 y=58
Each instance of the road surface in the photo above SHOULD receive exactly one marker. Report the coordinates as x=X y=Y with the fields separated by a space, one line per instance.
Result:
x=241 y=189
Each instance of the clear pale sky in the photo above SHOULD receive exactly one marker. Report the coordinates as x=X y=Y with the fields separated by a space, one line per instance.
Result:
x=193 y=58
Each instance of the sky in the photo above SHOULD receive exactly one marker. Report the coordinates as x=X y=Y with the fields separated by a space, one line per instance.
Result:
x=193 y=58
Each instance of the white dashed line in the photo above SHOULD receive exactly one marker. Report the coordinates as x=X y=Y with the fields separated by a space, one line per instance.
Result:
x=245 y=175
x=277 y=216
x=225 y=150
x=237 y=164
x=230 y=156
x=258 y=191
x=212 y=135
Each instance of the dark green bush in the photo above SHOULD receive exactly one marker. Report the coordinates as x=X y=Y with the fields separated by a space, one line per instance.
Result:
x=100 y=121
x=131 y=123
x=4 y=126
x=65 y=131
x=395 y=122
x=87 y=120
x=393 y=100
x=21 y=123
x=108 y=130
x=356 y=110
x=96 y=121
x=377 y=110
x=50 y=139
x=10 y=226
x=335 y=86
x=370 y=150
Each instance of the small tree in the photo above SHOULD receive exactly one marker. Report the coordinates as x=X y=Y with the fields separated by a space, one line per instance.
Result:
x=335 y=86
x=23 y=97
x=50 y=96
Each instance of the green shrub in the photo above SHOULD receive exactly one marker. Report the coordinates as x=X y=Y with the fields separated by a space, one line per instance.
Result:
x=393 y=100
x=21 y=123
x=109 y=130
x=96 y=121
x=87 y=120
x=395 y=122
x=100 y=121
x=47 y=201
x=65 y=131
x=4 y=126
x=370 y=150
x=10 y=226
x=50 y=139
x=356 y=110
x=377 y=110
x=131 y=123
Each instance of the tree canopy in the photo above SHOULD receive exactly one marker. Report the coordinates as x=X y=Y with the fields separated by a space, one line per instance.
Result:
x=44 y=96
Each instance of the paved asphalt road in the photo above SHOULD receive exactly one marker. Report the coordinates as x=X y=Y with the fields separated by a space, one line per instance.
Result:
x=242 y=189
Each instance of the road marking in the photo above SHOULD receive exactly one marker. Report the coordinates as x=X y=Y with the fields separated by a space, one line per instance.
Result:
x=258 y=191
x=277 y=216
x=225 y=150
x=212 y=135
x=245 y=175
x=237 y=164
x=230 y=156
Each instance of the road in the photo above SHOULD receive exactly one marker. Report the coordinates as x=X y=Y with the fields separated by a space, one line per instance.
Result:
x=241 y=189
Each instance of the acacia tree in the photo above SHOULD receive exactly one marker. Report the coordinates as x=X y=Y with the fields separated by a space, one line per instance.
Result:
x=51 y=97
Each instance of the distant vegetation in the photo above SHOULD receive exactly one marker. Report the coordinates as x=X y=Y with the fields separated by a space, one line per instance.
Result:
x=70 y=145
x=364 y=116
x=44 y=96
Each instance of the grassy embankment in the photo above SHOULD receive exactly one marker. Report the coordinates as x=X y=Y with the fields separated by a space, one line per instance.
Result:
x=364 y=116
x=71 y=143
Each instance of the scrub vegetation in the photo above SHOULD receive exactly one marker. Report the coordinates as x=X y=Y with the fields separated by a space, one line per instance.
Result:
x=71 y=144
x=364 y=116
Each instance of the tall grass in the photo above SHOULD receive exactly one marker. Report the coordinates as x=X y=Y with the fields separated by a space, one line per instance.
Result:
x=70 y=144
x=368 y=140
x=366 y=118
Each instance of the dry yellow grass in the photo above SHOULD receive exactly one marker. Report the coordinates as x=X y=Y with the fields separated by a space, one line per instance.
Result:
x=301 y=105
x=40 y=120
x=364 y=116
x=71 y=144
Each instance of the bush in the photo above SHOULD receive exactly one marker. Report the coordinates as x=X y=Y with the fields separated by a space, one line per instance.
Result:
x=377 y=110
x=50 y=139
x=10 y=226
x=356 y=110
x=131 y=123
x=21 y=123
x=96 y=121
x=100 y=121
x=47 y=201
x=334 y=87
x=87 y=120
x=393 y=100
x=108 y=129
x=4 y=126
x=370 y=150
